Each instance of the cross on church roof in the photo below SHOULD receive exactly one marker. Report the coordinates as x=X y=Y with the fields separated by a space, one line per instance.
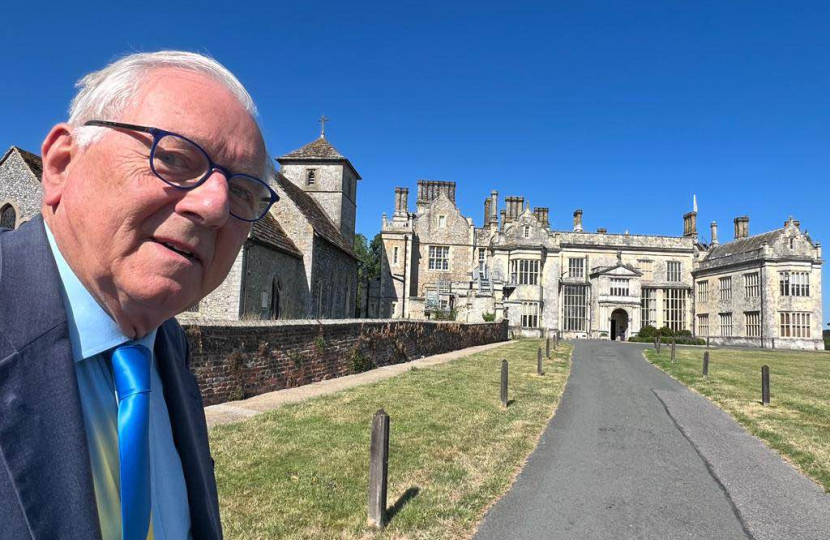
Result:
x=323 y=121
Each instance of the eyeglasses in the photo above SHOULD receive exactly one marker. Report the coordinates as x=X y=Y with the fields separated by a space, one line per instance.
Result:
x=183 y=164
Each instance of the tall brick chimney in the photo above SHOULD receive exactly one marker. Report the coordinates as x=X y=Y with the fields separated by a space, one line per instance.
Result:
x=401 y=201
x=714 y=227
x=741 y=227
x=542 y=215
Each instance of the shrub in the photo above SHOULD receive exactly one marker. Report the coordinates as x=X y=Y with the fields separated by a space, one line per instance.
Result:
x=680 y=340
x=665 y=332
x=488 y=317
x=648 y=331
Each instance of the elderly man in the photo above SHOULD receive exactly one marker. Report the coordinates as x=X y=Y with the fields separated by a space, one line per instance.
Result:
x=149 y=193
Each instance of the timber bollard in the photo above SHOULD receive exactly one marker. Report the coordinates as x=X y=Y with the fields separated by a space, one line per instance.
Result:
x=547 y=347
x=764 y=385
x=706 y=364
x=504 y=383
x=555 y=339
x=539 y=362
x=707 y=342
x=657 y=344
x=378 y=469
x=673 y=343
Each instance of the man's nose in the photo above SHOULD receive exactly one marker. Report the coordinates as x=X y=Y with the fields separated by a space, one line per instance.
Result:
x=208 y=203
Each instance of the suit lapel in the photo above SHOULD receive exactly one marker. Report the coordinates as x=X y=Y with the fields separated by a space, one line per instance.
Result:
x=42 y=436
x=187 y=420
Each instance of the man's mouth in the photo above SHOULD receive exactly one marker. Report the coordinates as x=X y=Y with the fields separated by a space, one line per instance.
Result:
x=179 y=249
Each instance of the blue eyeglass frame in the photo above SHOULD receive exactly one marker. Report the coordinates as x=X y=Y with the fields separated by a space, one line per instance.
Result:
x=158 y=134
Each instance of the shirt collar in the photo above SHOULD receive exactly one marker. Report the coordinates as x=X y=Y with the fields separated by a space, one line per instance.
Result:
x=91 y=329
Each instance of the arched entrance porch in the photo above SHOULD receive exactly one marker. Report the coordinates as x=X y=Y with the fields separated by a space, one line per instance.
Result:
x=619 y=324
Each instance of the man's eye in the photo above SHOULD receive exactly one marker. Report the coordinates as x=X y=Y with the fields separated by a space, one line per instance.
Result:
x=240 y=193
x=172 y=159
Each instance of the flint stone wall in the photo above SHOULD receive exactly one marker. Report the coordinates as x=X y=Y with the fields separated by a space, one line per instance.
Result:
x=237 y=360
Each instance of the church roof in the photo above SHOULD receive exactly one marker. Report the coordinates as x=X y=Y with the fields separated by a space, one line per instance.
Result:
x=33 y=161
x=319 y=149
x=315 y=215
x=744 y=245
x=268 y=231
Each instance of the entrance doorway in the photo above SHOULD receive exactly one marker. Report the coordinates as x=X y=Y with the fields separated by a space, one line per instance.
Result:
x=619 y=324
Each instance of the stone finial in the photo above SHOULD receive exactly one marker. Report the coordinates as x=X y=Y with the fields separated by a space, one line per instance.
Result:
x=578 y=220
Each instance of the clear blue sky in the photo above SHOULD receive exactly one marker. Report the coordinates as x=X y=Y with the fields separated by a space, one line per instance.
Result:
x=623 y=109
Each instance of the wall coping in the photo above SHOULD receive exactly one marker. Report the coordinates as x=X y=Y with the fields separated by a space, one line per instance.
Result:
x=216 y=323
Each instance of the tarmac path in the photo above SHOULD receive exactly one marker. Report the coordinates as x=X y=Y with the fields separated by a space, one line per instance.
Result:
x=632 y=453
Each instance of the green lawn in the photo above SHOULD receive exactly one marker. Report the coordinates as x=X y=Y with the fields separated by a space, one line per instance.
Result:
x=301 y=471
x=797 y=421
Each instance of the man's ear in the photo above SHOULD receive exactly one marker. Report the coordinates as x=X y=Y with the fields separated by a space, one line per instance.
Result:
x=58 y=150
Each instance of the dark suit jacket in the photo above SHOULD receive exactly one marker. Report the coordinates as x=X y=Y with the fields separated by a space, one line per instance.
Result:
x=46 y=489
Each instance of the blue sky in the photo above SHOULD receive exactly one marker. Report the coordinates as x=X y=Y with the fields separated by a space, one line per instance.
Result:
x=623 y=109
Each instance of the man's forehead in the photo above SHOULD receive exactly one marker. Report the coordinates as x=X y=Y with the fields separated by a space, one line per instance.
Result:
x=202 y=109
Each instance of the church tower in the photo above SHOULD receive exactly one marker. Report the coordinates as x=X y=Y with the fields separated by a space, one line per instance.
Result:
x=324 y=173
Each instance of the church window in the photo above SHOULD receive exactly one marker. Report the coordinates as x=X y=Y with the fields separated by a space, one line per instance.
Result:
x=442 y=221
x=673 y=271
x=726 y=288
x=752 y=285
x=647 y=269
x=726 y=324
x=702 y=291
x=703 y=325
x=674 y=309
x=794 y=283
x=753 y=323
x=575 y=307
x=619 y=287
x=524 y=272
x=439 y=257
x=310 y=177
x=8 y=217
x=794 y=324
x=530 y=314
x=395 y=255
x=648 y=307
x=576 y=268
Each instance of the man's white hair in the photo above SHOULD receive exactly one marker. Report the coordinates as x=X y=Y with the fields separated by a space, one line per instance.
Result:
x=106 y=94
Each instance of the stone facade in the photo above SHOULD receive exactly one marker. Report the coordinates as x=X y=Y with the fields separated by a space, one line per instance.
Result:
x=238 y=360
x=20 y=190
x=436 y=262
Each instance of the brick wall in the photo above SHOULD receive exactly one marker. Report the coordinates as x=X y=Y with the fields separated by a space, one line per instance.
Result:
x=237 y=360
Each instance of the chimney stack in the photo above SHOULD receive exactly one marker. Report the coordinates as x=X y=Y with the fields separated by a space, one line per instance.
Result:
x=578 y=221
x=690 y=225
x=494 y=208
x=741 y=227
x=542 y=215
x=401 y=201
x=515 y=205
x=714 y=227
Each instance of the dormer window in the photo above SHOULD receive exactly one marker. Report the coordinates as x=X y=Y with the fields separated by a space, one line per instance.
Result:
x=527 y=231
x=792 y=243
x=310 y=177
x=442 y=221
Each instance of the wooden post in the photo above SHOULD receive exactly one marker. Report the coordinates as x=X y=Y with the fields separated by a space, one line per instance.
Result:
x=378 y=469
x=706 y=364
x=764 y=385
x=657 y=344
x=547 y=347
x=504 y=383
x=555 y=340
x=539 y=362
x=673 y=343
x=707 y=341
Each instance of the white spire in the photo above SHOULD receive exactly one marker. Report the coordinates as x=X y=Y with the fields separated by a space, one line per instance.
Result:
x=694 y=203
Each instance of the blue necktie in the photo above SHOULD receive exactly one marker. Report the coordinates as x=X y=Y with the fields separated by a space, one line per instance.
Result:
x=131 y=370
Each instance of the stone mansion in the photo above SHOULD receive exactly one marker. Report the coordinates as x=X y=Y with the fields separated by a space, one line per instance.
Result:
x=762 y=290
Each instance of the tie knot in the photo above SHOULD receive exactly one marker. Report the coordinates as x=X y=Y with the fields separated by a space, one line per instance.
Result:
x=131 y=370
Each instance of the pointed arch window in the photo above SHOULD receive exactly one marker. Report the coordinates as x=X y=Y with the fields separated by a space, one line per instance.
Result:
x=8 y=217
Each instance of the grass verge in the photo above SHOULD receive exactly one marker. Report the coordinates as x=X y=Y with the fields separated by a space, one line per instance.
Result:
x=797 y=421
x=301 y=471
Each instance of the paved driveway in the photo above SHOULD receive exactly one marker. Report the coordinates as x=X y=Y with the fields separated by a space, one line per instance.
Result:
x=631 y=453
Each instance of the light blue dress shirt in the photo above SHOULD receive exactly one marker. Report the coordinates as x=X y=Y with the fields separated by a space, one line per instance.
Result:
x=92 y=333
